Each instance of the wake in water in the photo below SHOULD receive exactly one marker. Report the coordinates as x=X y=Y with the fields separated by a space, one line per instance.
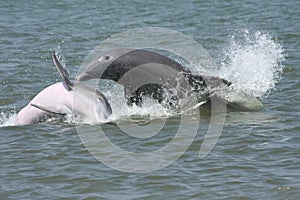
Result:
x=252 y=61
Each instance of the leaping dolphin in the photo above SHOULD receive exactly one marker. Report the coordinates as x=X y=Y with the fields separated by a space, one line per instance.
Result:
x=116 y=63
x=80 y=100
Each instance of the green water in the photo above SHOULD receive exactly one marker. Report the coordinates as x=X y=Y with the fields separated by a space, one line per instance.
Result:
x=257 y=154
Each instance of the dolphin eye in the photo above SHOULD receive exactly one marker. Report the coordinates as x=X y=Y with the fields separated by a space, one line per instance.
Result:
x=104 y=58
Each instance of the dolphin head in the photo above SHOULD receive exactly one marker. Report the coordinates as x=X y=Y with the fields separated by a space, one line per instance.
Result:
x=90 y=104
x=102 y=67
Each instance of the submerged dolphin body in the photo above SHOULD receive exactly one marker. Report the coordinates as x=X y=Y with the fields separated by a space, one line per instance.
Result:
x=80 y=100
x=139 y=65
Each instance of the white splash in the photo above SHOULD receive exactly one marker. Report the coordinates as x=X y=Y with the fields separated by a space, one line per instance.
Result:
x=253 y=62
x=121 y=110
x=8 y=118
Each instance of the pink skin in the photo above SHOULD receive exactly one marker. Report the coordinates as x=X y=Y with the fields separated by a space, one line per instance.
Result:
x=58 y=99
x=55 y=96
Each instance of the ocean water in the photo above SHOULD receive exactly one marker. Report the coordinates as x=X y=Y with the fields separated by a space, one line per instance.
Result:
x=253 y=44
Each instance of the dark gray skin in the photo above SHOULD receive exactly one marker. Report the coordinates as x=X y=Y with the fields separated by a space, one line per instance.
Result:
x=116 y=63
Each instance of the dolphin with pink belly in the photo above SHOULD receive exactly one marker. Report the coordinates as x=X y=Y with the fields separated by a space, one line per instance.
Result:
x=66 y=98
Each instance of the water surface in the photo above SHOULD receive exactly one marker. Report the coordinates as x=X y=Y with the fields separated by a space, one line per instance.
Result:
x=256 y=44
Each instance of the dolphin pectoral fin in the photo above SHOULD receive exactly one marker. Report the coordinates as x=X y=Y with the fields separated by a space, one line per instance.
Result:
x=64 y=74
x=47 y=109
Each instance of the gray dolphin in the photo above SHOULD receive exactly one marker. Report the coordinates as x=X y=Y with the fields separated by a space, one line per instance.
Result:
x=80 y=100
x=116 y=63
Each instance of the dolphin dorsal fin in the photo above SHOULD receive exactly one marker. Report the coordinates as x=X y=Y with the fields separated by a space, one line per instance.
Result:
x=47 y=109
x=64 y=74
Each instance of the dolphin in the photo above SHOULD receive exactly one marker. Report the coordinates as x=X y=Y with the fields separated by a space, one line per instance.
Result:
x=64 y=98
x=116 y=63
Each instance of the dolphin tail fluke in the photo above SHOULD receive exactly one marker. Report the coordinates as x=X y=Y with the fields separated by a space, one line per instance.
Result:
x=64 y=74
